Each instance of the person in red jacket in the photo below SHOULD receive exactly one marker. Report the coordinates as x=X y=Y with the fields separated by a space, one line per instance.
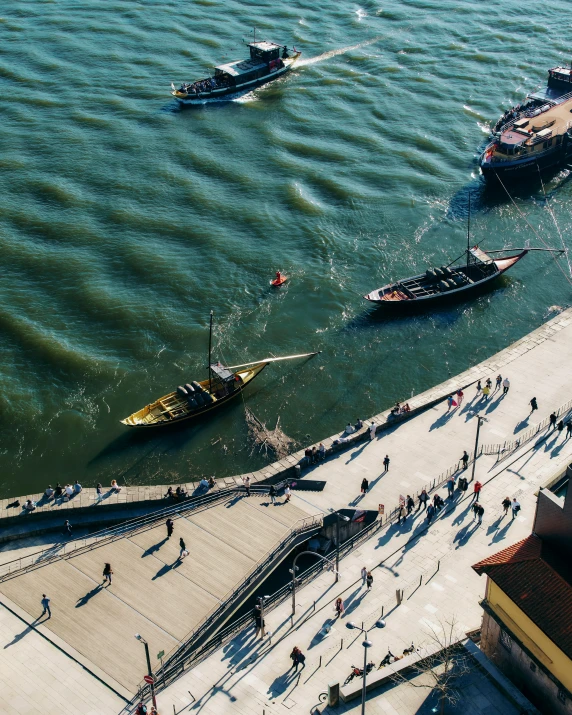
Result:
x=477 y=490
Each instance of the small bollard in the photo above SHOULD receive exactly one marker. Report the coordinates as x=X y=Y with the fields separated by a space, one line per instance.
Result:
x=421 y=580
x=314 y=605
x=438 y=564
x=382 y=611
x=320 y=662
x=341 y=644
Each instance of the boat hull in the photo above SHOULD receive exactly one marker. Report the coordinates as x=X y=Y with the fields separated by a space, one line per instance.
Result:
x=437 y=300
x=526 y=168
x=137 y=419
x=235 y=89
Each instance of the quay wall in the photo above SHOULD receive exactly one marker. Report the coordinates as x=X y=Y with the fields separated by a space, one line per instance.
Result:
x=135 y=500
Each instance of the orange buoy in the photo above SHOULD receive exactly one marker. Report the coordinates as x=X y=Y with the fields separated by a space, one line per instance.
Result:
x=279 y=280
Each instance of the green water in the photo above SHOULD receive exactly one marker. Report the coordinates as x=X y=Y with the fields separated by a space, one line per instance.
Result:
x=124 y=221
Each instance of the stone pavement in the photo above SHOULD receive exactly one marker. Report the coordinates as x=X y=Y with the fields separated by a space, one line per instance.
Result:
x=253 y=677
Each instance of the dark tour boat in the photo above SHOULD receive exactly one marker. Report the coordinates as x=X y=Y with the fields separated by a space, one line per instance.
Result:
x=534 y=135
x=267 y=62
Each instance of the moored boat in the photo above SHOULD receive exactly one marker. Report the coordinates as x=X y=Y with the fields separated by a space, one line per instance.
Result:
x=443 y=285
x=534 y=135
x=267 y=62
x=196 y=398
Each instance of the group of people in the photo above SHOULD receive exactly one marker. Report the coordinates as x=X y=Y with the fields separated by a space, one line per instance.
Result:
x=314 y=454
x=456 y=399
x=205 y=85
x=399 y=409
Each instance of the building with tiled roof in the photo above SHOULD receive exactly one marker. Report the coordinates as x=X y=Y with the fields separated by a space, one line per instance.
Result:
x=527 y=621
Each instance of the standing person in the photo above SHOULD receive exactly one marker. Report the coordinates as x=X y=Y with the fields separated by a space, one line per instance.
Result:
x=489 y=383
x=372 y=429
x=46 y=606
x=480 y=512
x=430 y=513
x=170 y=524
x=475 y=509
x=258 y=622
x=553 y=420
x=272 y=493
x=499 y=381
x=460 y=396
x=363 y=575
x=410 y=504
x=340 y=608
x=465 y=459
x=364 y=486
x=183 y=551
x=486 y=392
x=515 y=506
x=568 y=428
x=533 y=405
x=99 y=491
x=505 y=385
x=561 y=427
x=107 y=573
x=321 y=452
x=506 y=505
x=401 y=514
x=297 y=658
x=477 y=490
x=369 y=580
x=479 y=386
x=287 y=493
x=246 y=482
x=386 y=461
x=67 y=528
x=451 y=487
x=423 y=499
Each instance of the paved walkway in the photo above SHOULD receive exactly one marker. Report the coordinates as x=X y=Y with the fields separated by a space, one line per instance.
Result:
x=249 y=676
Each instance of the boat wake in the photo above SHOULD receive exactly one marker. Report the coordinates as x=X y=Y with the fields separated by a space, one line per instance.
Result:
x=333 y=53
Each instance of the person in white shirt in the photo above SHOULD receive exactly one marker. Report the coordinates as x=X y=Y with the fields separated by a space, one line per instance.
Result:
x=49 y=492
x=505 y=385
x=321 y=451
x=350 y=428
x=363 y=576
x=515 y=506
x=287 y=493
x=69 y=490
x=372 y=429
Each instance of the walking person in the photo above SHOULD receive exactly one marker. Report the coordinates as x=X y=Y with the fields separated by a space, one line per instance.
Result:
x=533 y=405
x=499 y=382
x=568 y=429
x=107 y=573
x=369 y=580
x=465 y=459
x=476 y=491
x=401 y=514
x=486 y=392
x=46 y=606
x=183 y=552
x=170 y=524
x=480 y=512
x=258 y=622
x=410 y=504
x=560 y=427
x=67 y=528
x=515 y=506
x=460 y=396
x=246 y=482
x=423 y=499
x=297 y=658
x=505 y=385
x=272 y=494
x=430 y=513
x=479 y=386
x=553 y=420
x=364 y=486
x=363 y=576
x=287 y=493
x=506 y=505
x=339 y=607
x=386 y=461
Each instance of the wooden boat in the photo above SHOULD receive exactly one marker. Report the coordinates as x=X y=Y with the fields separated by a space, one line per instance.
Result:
x=267 y=62
x=443 y=285
x=197 y=398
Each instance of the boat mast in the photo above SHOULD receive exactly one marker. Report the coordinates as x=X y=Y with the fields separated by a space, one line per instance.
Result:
x=210 y=346
x=469 y=230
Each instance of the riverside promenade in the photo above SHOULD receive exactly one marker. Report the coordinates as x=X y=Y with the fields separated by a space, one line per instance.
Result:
x=420 y=449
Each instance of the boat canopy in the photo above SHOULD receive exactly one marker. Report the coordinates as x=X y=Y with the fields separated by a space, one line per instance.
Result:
x=222 y=372
x=265 y=50
x=240 y=68
x=480 y=255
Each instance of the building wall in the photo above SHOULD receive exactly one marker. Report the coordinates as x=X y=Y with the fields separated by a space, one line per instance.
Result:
x=526 y=664
x=553 y=520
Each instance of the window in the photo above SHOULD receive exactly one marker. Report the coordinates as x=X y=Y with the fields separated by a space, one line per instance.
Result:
x=533 y=666
x=562 y=695
x=505 y=640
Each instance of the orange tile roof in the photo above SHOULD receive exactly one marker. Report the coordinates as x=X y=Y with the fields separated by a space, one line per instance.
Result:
x=539 y=582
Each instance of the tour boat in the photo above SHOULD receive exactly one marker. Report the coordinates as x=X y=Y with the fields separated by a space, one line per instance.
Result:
x=534 y=135
x=267 y=62
x=196 y=398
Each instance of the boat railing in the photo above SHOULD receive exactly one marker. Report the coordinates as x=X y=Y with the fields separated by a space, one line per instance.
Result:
x=493 y=159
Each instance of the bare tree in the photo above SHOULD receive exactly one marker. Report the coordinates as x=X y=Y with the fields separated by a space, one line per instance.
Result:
x=265 y=439
x=444 y=665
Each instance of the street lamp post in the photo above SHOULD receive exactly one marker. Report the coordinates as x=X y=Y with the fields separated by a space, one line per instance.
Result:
x=366 y=644
x=149 y=669
x=339 y=517
x=261 y=602
x=295 y=568
x=480 y=421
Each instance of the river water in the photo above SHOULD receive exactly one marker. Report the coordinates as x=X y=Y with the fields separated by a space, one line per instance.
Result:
x=124 y=221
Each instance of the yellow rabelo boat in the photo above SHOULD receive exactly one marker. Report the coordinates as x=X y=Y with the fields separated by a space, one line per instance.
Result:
x=197 y=398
